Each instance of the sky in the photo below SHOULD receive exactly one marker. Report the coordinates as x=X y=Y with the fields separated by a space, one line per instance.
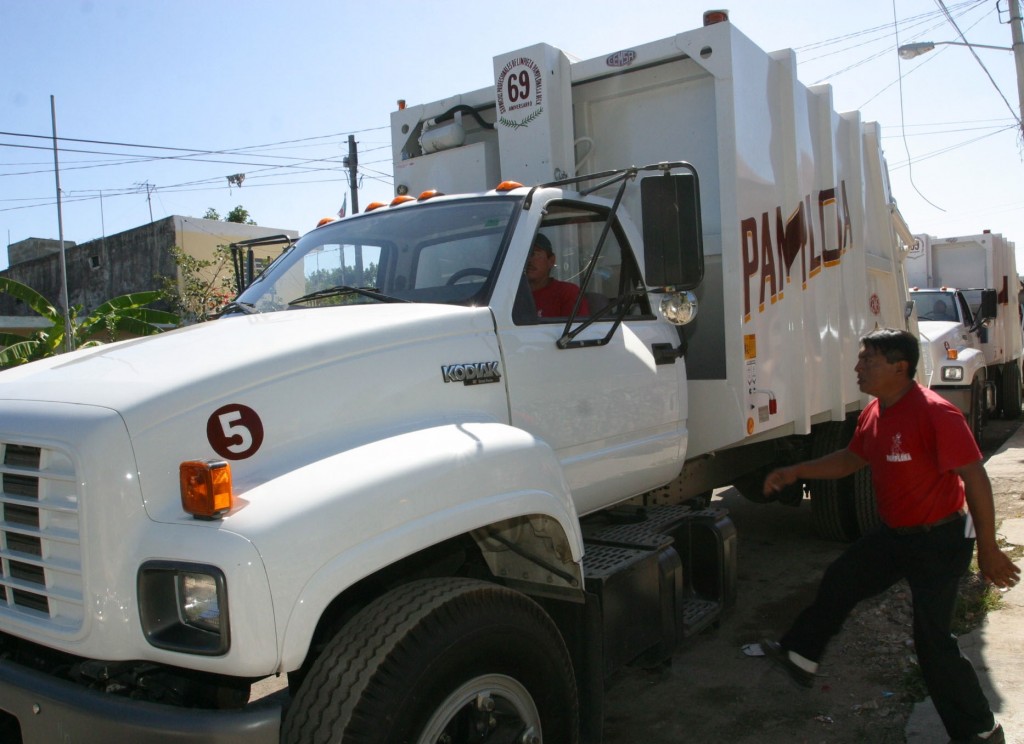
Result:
x=158 y=102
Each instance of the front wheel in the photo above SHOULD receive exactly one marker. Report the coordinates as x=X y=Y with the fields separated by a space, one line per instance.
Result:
x=976 y=415
x=440 y=660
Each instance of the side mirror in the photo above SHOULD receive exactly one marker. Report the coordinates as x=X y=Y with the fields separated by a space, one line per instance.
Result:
x=988 y=305
x=673 y=239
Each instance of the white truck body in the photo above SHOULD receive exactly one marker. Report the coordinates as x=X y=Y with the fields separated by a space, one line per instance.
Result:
x=409 y=445
x=989 y=343
x=798 y=193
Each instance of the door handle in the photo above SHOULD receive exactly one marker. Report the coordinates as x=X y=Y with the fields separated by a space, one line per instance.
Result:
x=666 y=353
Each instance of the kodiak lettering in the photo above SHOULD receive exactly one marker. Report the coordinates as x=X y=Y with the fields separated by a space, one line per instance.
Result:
x=771 y=264
x=471 y=374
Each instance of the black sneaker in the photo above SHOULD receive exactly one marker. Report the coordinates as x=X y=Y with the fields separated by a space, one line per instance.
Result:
x=780 y=657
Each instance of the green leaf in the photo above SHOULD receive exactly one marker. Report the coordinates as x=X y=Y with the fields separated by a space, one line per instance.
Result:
x=32 y=298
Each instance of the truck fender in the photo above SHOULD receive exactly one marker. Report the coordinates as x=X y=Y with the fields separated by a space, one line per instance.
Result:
x=408 y=492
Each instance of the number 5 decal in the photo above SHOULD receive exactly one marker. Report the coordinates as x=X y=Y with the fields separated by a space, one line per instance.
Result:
x=235 y=431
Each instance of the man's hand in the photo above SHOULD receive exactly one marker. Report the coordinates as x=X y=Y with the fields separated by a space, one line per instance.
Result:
x=778 y=479
x=996 y=566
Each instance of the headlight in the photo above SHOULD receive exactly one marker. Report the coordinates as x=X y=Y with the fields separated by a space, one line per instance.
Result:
x=184 y=607
x=952 y=374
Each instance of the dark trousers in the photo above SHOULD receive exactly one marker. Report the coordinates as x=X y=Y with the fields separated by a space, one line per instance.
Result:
x=932 y=562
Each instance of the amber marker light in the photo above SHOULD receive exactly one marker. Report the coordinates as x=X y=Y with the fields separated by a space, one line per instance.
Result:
x=508 y=186
x=951 y=354
x=205 y=488
x=401 y=200
x=430 y=194
x=374 y=205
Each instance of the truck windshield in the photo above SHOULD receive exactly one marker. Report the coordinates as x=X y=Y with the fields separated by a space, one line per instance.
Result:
x=936 y=305
x=438 y=252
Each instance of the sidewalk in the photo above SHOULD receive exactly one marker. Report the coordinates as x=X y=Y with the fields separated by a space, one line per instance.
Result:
x=997 y=647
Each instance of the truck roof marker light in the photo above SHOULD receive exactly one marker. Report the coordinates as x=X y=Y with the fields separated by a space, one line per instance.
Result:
x=508 y=186
x=401 y=200
x=430 y=194
x=206 y=491
x=325 y=220
x=374 y=205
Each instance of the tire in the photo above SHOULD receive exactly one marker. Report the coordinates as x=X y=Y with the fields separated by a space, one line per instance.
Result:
x=1010 y=395
x=833 y=511
x=864 y=501
x=434 y=660
x=976 y=415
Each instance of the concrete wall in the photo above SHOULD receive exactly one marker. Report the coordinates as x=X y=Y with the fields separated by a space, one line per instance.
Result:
x=131 y=261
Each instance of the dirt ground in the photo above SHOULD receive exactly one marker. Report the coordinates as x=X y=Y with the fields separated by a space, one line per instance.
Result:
x=714 y=691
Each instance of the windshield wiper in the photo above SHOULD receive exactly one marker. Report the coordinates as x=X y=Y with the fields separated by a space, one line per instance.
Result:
x=344 y=289
x=245 y=307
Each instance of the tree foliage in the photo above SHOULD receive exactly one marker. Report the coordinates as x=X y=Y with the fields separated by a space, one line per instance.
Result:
x=239 y=215
x=126 y=314
x=205 y=285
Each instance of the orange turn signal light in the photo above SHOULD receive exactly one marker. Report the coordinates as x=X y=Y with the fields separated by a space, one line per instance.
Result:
x=951 y=354
x=205 y=488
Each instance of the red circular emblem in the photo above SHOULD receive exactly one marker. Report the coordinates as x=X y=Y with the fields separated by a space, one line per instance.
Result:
x=235 y=431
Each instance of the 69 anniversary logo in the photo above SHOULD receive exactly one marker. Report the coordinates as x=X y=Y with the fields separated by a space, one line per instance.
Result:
x=520 y=93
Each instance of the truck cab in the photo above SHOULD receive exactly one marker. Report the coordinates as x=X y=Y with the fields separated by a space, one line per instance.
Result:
x=952 y=334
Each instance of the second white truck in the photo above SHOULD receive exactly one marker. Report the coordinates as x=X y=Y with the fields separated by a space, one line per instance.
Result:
x=967 y=291
x=443 y=516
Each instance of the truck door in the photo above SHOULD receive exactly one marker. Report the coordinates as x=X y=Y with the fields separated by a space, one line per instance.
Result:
x=615 y=412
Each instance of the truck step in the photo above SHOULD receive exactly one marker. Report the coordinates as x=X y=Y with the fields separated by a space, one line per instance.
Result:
x=660 y=574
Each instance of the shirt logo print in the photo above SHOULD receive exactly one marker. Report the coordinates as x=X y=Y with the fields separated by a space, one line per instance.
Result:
x=896 y=454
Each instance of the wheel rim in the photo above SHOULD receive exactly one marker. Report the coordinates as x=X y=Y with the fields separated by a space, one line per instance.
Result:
x=489 y=708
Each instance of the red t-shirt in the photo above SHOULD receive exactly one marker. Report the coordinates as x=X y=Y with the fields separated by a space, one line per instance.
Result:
x=556 y=299
x=912 y=448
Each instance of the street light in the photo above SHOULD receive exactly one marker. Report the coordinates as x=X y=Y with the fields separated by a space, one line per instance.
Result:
x=909 y=51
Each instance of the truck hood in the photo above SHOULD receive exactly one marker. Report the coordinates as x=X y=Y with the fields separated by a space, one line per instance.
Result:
x=235 y=352
x=303 y=385
x=938 y=332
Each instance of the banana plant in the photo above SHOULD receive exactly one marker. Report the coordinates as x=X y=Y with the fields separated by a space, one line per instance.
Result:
x=125 y=314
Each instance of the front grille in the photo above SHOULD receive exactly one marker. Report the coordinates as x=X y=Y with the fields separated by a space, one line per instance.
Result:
x=40 y=551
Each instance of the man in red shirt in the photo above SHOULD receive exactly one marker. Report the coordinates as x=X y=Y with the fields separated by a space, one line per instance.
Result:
x=925 y=466
x=553 y=298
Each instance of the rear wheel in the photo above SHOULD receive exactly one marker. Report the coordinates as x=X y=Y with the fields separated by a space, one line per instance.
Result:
x=1010 y=394
x=440 y=660
x=833 y=512
x=864 y=501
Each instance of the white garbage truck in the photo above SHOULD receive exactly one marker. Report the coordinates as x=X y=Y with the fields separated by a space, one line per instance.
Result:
x=386 y=478
x=967 y=296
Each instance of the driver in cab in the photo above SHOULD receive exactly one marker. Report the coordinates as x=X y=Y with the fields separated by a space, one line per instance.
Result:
x=553 y=298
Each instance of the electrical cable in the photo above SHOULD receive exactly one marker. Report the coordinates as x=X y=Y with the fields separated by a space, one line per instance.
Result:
x=906 y=145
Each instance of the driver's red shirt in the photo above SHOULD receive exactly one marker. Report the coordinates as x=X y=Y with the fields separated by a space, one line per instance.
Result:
x=913 y=448
x=556 y=299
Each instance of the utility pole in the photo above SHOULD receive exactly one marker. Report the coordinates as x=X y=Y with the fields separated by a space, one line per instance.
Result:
x=1018 y=53
x=69 y=341
x=149 y=200
x=351 y=162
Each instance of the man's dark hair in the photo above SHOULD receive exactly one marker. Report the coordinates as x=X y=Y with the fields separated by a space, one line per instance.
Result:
x=541 y=241
x=895 y=346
